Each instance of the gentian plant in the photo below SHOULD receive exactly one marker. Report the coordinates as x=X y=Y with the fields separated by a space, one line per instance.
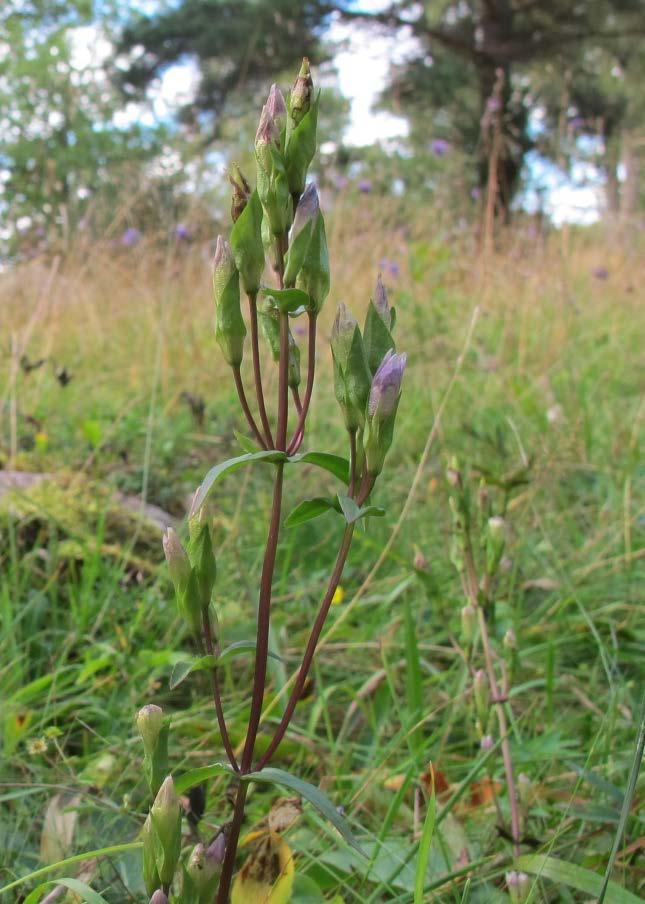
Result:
x=278 y=227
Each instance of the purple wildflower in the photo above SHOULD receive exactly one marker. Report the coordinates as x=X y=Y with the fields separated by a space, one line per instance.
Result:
x=440 y=147
x=342 y=182
x=365 y=186
x=131 y=237
x=386 y=386
x=182 y=232
x=600 y=273
x=390 y=267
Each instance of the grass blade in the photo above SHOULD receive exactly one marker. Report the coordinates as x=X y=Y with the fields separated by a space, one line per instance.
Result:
x=425 y=844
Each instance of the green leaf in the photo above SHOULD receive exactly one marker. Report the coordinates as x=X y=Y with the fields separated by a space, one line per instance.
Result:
x=577 y=877
x=314 y=795
x=75 y=885
x=197 y=776
x=335 y=464
x=248 y=444
x=353 y=513
x=310 y=509
x=181 y=670
x=289 y=301
x=232 y=464
x=424 y=848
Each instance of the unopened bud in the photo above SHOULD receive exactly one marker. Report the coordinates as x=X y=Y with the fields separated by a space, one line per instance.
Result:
x=381 y=303
x=241 y=192
x=223 y=266
x=230 y=330
x=486 y=743
x=150 y=723
x=342 y=334
x=420 y=562
x=159 y=897
x=276 y=107
x=495 y=542
x=202 y=871
x=217 y=849
x=468 y=624
x=300 y=98
x=203 y=561
x=381 y=410
x=352 y=379
x=151 y=878
x=481 y=691
x=453 y=474
x=165 y=816
x=304 y=221
x=178 y=562
x=518 y=885
x=510 y=640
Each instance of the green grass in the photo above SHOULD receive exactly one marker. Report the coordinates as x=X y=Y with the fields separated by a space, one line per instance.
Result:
x=89 y=630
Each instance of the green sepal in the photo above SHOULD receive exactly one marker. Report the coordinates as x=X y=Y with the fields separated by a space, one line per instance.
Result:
x=377 y=439
x=377 y=338
x=352 y=381
x=155 y=764
x=301 y=147
x=149 y=870
x=247 y=245
x=297 y=253
x=313 y=277
x=190 y=603
x=288 y=301
x=165 y=820
x=202 y=558
x=230 y=330
x=273 y=191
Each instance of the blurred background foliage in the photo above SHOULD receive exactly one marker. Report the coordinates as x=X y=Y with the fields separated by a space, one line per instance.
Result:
x=89 y=112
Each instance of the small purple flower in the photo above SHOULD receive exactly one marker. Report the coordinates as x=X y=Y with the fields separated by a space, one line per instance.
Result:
x=493 y=105
x=182 y=232
x=342 y=182
x=300 y=330
x=390 y=267
x=365 y=186
x=131 y=237
x=476 y=194
x=386 y=386
x=600 y=273
x=440 y=147
x=159 y=897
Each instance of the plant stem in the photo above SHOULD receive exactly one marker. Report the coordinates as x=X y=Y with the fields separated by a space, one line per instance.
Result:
x=307 y=659
x=257 y=372
x=231 y=845
x=498 y=701
x=299 y=432
x=245 y=408
x=352 y=462
x=217 y=696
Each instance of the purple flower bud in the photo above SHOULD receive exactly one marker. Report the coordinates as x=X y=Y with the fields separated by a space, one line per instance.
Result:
x=365 y=186
x=342 y=333
x=223 y=267
x=275 y=103
x=268 y=132
x=300 y=99
x=130 y=237
x=381 y=303
x=386 y=386
x=487 y=742
x=178 y=562
x=306 y=211
x=440 y=147
x=159 y=897
x=216 y=850
x=182 y=232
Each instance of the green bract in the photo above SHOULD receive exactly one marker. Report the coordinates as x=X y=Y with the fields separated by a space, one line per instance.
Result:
x=246 y=242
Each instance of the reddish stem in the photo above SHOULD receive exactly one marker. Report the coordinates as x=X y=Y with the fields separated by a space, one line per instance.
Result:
x=299 y=432
x=217 y=696
x=257 y=372
x=245 y=407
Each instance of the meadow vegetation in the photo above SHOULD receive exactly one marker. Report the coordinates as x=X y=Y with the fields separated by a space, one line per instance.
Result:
x=528 y=357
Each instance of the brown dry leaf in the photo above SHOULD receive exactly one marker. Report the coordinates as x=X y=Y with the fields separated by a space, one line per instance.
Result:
x=284 y=812
x=541 y=584
x=441 y=783
x=57 y=835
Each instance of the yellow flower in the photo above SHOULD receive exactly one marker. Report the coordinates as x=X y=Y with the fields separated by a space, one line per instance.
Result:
x=268 y=873
x=339 y=596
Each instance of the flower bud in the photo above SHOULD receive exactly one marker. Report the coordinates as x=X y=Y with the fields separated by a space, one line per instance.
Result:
x=300 y=97
x=203 y=561
x=495 y=542
x=151 y=878
x=481 y=690
x=382 y=405
x=468 y=624
x=420 y=561
x=486 y=743
x=313 y=277
x=241 y=192
x=276 y=107
x=381 y=303
x=178 y=562
x=150 y=723
x=159 y=897
x=304 y=221
x=230 y=330
x=165 y=817
x=351 y=373
x=510 y=640
x=202 y=871
x=217 y=849
x=518 y=885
